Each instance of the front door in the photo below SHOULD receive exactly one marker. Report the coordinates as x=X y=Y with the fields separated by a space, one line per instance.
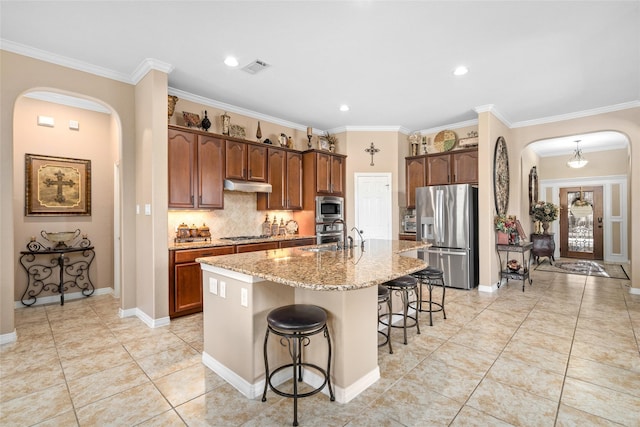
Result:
x=581 y=222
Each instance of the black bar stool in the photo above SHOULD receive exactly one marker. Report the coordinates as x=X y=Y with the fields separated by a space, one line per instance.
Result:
x=384 y=296
x=295 y=324
x=430 y=277
x=404 y=285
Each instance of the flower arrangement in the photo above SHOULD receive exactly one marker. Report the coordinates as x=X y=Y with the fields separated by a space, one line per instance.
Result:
x=506 y=223
x=545 y=211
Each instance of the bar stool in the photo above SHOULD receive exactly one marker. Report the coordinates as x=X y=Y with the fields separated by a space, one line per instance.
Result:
x=431 y=277
x=404 y=286
x=384 y=296
x=295 y=324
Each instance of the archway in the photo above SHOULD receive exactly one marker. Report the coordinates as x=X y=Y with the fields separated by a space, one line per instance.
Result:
x=608 y=153
x=77 y=126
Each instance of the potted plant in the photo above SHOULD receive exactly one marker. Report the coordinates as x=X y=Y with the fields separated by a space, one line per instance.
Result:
x=505 y=228
x=545 y=212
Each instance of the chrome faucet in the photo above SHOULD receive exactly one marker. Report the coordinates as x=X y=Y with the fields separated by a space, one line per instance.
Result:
x=344 y=233
x=361 y=237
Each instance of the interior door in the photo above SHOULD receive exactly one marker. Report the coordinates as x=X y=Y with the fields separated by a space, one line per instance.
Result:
x=373 y=205
x=581 y=226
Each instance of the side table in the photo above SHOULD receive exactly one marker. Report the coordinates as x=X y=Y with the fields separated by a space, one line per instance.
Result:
x=39 y=262
x=523 y=272
x=543 y=246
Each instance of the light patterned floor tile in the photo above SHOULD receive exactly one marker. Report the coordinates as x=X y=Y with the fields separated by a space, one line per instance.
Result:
x=185 y=384
x=571 y=417
x=166 y=362
x=36 y=407
x=619 y=379
x=527 y=377
x=166 y=419
x=471 y=417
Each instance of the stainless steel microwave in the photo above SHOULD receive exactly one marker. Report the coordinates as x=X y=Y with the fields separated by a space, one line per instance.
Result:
x=329 y=208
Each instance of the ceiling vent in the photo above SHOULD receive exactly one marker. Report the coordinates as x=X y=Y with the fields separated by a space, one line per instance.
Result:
x=255 y=66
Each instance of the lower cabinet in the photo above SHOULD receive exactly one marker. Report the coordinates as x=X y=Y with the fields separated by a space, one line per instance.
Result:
x=251 y=247
x=297 y=242
x=185 y=279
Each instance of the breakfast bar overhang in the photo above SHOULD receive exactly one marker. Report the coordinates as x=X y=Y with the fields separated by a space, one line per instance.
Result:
x=239 y=291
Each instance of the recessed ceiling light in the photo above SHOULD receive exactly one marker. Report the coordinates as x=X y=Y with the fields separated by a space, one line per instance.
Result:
x=344 y=107
x=231 y=61
x=460 y=71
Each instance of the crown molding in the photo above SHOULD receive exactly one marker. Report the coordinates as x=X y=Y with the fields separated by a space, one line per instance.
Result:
x=64 y=61
x=150 y=64
x=234 y=109
x=397 y=129
x=578 y=114
x=473 y=122
x=491 y=108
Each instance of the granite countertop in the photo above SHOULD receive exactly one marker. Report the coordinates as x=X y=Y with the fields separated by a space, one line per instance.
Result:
x=381 y=261
x=220 y=242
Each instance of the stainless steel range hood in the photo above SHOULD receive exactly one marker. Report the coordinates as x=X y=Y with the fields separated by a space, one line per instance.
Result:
x=247 y=186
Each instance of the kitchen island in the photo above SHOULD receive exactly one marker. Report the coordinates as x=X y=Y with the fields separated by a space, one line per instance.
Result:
x=240 y=290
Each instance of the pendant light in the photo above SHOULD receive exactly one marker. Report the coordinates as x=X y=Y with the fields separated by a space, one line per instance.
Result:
x=577 y=161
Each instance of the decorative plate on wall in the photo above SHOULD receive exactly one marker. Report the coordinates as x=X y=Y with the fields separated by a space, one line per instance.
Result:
x=444 y=140
x=501 y=176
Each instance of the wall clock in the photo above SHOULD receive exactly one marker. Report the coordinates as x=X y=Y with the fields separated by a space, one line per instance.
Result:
x=501 y=176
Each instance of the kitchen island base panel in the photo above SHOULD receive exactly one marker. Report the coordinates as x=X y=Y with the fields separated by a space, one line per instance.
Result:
x=234 y=334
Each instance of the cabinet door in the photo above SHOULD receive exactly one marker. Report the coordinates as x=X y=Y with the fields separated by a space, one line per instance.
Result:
x=236 y=160
x=415 y=177
x=337 y=175
x=277 y=178
x=188 y=288
x=297 y=242
x=293 y=193
x=465 y=167
x=210 y=172
x=181 y=169
x=438 y=170
x=323 y=173
x=257 y=163
x=252 y=247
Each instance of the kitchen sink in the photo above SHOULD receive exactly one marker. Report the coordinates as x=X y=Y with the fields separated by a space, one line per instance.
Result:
x=331 y=248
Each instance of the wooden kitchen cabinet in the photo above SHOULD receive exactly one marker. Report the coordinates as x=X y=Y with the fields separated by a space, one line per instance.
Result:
x=324 y=174
x=458 y=167
x=297 y=242
x=194 y=172
x=284 y=172
x=415 y=177
x=185 y=279
x=245 y=161
x=252 y=247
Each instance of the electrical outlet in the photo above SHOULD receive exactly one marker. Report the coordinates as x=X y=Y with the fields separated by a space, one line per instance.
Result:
x=223 y=289
x=244 y=297
x=213 y=285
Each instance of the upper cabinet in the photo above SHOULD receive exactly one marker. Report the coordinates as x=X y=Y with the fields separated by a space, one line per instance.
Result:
x=415 y=177
x=194 y=172
x=246 y=161
x=330 y=173
x=453 y=167
x=284 y=172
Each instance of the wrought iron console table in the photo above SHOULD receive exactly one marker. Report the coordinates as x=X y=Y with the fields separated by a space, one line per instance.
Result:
x=523 y=270
x=71 y=273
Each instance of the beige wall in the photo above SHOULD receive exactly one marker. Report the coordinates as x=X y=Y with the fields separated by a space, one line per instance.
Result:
x=91 y=142
x=601 y=163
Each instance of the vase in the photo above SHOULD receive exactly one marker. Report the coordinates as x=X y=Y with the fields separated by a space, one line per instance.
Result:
x=502 y=238
x=259 y=133
x=545 y=227
x=206 y=123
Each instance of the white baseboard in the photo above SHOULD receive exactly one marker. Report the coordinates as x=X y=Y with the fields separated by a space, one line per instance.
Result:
x=50 y=299
x=152 y=323
x=488 y=288
x=634 y=291
x=8 y=338
x=252 y=391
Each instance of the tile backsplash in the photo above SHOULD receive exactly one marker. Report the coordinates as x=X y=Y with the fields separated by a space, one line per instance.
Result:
x=238 y=218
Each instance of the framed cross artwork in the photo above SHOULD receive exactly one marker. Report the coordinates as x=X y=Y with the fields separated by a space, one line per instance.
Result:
x=57 y=186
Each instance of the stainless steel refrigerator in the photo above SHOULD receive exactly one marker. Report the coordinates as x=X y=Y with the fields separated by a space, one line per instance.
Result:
x=447 y=217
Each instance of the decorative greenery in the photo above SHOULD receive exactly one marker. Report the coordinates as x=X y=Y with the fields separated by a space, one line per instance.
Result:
x=331 y=139
x=545 y=211
x=505 y=223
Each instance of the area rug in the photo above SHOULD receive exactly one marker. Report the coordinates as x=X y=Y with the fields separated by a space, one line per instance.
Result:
x=585 y=268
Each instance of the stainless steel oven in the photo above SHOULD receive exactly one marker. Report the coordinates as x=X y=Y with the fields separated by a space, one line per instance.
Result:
x=329 y=208
x=329 y=233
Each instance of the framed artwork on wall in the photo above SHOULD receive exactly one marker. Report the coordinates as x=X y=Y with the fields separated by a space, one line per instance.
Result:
x=57 y=186
x=501 y=176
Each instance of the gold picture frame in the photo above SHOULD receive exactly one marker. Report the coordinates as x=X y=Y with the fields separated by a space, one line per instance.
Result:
x=57 y=186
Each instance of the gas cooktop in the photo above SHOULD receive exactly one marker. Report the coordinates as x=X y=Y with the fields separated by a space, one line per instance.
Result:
x=262 y=236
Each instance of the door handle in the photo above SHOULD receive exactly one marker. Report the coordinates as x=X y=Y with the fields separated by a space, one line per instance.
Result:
x=599 y=222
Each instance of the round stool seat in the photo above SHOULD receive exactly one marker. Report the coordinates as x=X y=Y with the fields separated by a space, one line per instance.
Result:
x=402 y=282
x=383 y=293
x=297 y=318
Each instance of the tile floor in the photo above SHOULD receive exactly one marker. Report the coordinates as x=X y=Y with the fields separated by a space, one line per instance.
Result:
x=565 y=353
